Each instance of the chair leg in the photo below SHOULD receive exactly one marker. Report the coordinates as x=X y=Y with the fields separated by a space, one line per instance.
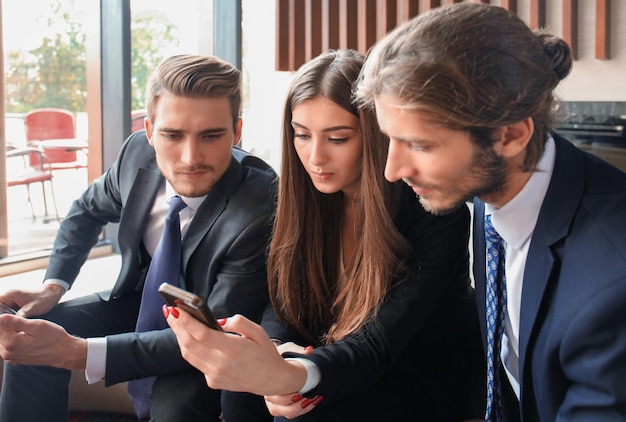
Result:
x=45 y=200
x=54 y=200
x=30 y=202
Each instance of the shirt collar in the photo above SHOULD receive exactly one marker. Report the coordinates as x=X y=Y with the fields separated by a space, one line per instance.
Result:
x=516 y=220
x=192 y=202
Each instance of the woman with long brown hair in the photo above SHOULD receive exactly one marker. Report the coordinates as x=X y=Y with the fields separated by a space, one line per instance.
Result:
x=376 y=287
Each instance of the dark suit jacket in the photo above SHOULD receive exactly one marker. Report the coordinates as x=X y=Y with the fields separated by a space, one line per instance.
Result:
x=223 y=258
x=573 y=309
x=421 y=358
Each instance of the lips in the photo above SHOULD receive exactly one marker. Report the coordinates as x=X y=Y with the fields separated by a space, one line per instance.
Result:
x=321 y=176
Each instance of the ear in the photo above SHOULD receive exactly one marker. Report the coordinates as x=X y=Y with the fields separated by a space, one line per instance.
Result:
x=238 y=130
x=148 y=127
x=515 y=137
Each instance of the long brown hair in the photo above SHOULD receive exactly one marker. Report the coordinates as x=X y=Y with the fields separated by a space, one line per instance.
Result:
x=303 y=261
x=471 y=67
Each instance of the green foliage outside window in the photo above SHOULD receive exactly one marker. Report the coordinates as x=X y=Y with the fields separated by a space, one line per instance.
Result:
x=54 y=73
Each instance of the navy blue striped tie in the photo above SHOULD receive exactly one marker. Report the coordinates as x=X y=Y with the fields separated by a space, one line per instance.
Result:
x=165 y=266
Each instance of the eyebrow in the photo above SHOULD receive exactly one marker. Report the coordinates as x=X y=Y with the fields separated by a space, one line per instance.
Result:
x=202 y=132
x=328 y=129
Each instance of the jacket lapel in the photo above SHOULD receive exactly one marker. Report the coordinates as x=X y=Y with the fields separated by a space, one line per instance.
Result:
x=212 y=207
x=553 y=224
x=139 y=204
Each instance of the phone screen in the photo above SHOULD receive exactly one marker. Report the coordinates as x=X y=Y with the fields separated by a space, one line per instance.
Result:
x=191 y=303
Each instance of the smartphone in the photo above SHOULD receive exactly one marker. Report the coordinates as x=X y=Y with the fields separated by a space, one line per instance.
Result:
x=190 y=302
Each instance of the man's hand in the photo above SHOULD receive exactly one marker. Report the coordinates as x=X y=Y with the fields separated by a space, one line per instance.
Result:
x=34 y=302
x=40 y=342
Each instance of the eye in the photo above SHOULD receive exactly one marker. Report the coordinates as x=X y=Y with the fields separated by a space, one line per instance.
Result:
x=338 y=140
x=211 y=136
x=170 y=135
x=419 y=147
x=302 y=136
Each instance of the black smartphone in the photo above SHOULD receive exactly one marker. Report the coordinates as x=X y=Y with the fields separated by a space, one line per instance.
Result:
x=191 y=303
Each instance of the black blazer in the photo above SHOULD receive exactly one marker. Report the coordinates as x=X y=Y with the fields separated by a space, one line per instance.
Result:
x=223 y=257
x=421 y=358
x=573 y=318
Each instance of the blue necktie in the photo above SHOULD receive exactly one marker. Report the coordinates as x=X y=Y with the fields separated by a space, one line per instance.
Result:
x=496 y=309
x=165 y=266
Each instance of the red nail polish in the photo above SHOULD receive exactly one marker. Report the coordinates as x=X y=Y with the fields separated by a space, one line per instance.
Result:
x=308 y=349
x=306 y=403
x=317 y=400
x=296 y=398
x=174 y=312
x=222 y=321
x=166 y=312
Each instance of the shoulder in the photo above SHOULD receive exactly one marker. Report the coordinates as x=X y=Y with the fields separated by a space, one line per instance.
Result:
x=136 y=150
x=254 y=169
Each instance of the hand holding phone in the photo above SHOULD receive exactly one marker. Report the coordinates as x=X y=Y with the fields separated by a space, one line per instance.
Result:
x=189 y=302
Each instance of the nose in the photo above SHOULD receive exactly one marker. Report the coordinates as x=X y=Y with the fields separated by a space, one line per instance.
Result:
x=317 y=152
x=397 y=166
x=191 y=153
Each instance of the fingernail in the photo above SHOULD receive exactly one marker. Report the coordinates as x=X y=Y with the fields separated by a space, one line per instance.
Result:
x=296 y=398
x=174 y=312
x=222 y=321
x=317 y=400
x=166 y=312
x=308 y=349
x=306 y=403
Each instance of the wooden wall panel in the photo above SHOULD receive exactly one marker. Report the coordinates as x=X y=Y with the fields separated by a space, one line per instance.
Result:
x=307 y=27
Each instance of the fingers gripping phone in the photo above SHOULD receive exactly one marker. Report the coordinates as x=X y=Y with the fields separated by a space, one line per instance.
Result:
x=189 y=302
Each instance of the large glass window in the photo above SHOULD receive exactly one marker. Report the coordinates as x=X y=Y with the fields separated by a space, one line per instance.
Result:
x=45 y=110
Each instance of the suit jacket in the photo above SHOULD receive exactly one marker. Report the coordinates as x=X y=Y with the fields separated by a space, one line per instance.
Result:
x=422 y=354
x=223 y=256
x=573 y=324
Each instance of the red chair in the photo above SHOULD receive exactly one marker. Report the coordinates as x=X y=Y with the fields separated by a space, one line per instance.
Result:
x=136 y=120
x=47 y=124
x=21 y=172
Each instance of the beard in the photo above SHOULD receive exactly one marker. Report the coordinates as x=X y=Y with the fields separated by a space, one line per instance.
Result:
x=487 y=175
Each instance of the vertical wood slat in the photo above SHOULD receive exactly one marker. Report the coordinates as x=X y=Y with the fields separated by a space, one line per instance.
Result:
x=330 y=24
x=537 y=13
x=297 y=52
x=366 y=19
x=510 y=5
x=282 y=35
x=570 y=25
x=603 y=28
x=348 y=30
x=386 y=17
x=313 y=23
x=410 y=8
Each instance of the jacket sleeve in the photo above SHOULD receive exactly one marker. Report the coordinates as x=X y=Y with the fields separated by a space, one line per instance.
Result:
x=100 y=204
x=439 y=266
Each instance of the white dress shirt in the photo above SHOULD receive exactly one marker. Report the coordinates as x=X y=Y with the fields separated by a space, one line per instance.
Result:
x=515 y=223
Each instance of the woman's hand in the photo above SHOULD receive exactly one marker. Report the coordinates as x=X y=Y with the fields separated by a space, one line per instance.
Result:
x=291 y=405
x=243 y=358
x=294 y=404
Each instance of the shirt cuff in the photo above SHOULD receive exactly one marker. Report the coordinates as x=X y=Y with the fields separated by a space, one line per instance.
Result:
x=58 y=282
x=313 y=376
x=96 y=359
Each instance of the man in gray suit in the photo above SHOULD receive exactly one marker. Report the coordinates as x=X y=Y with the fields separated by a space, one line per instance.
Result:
x=194 y=105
